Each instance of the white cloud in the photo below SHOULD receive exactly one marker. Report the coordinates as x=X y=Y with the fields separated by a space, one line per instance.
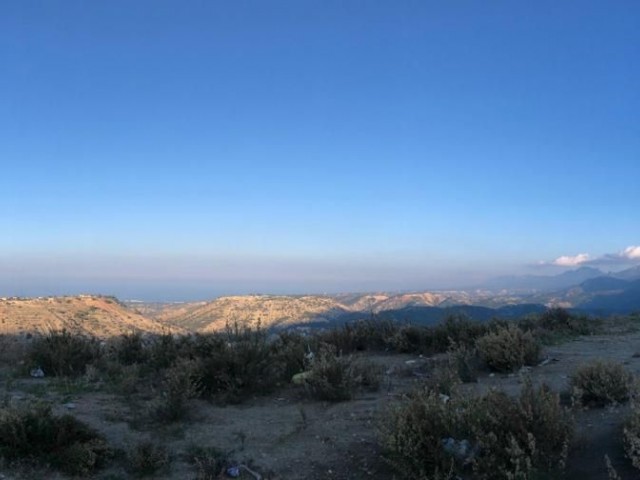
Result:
x=571 y=261
x=628 y=256
x=632 y=252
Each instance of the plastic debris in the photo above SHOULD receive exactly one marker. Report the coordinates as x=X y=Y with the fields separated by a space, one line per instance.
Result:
x=233 y=472
x=460 y=449
x=300 y=378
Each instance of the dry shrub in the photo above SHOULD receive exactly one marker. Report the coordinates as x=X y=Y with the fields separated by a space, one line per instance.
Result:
x=428 y=437
x=147 y=458
x=335 y=378
x=32 y=433
x=443 y=378
x=631 y=436
x=508 y=348
x=601 y=382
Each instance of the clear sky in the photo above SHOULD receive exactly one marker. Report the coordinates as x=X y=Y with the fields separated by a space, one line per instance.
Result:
x=186 y=149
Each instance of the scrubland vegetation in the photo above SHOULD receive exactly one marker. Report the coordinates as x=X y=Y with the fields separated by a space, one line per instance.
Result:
x=436 y=429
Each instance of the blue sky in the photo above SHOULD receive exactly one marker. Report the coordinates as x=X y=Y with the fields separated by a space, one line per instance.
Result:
x=166 y=149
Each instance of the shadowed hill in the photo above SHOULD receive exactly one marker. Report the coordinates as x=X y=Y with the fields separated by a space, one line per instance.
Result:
x=85 y=314
x=269 y=311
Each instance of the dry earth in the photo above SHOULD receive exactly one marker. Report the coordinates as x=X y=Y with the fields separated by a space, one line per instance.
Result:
x=286 y=436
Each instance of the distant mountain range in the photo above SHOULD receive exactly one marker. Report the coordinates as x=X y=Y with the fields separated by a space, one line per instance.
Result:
x=524 y=283
x=543 y=282
x=587 y=290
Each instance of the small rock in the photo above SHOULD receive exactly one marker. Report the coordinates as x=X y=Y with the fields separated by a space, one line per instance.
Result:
x=410 y=362
x=69 y=406
x=37 y=373
x=492 y=375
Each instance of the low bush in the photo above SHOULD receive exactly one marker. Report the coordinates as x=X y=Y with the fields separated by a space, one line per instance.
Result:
x=428 y=437
x=555 y=324
x=465 y=361
x=62 y=353
x=508 y=348
x=147 y=458
x=335 y=378
x=291 y=352
x=601 y=382
x=371 y=334
x=178 y=387
x=631 y=436
x=242 y=365
x=32 y=433
x=208 y=462
x=330 y=377
x=128 y=349
x=455 y=329
x=443 y=378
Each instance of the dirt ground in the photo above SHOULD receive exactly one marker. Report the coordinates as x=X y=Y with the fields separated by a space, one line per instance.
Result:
x=287 y=436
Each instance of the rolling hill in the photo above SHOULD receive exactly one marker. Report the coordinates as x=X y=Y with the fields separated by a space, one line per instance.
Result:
x=83 y=314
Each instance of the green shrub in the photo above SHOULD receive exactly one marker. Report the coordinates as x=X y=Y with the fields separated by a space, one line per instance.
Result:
x=179 y=386
x=601 y=382
x=129 y=349
x=62 y=353
x=556 y=323
x=465 y=362
x=242 y=365
x=455 y=329
x=371 y=334
x=33 y=433
x=147 y=458
x=366 y=374
x=443 y=379
x=330 y=377
x=335 y=378
x=428 y=437
x=291 y=351
x=508 y=348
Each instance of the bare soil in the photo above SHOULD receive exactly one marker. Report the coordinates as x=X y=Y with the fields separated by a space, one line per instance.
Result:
x=287 y=436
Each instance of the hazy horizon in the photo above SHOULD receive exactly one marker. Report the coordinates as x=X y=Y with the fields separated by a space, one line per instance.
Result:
x=161 y=151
